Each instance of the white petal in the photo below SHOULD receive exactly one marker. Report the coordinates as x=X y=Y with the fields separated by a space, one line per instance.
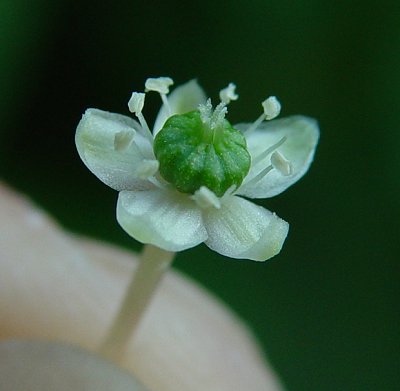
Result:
x=301 y=134
x=183 y=99
x=241 y=229
x=98 y=138
x=165 y=218
x=46 y=366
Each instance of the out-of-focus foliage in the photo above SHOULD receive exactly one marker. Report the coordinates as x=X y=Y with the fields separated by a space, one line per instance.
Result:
x=326 y=309
x=25 y=28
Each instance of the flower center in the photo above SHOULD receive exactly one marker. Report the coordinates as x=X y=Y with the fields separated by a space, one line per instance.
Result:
x=199 y=152
x=201 y=148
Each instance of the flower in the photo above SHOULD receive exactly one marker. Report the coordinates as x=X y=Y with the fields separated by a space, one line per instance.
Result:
x=148 y=168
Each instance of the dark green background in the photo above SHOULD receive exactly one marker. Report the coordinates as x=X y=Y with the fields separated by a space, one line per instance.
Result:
x=326 y=309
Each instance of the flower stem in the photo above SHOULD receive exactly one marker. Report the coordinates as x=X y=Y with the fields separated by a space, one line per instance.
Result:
x=153 y=264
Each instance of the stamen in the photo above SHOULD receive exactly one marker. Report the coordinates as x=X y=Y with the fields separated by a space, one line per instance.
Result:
x=265 y=153
x=123 y=139
x=159 y=84
x=281 y=164
x=166 y=104
x=147 y=168
x=255 y=124
x=146 y=130
x=155 y=182
x=205 y=198
x=271 y=107
x=135 y=104
x=278 y=162
x=228 y=94
x=258 y=177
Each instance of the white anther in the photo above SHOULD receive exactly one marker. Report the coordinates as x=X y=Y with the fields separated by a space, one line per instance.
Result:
x=123 y=139
x=135 y=105
x=159 y=84
x=280 y=163
x=147 y=168
x=271 y=107
x=228 y=94
x=136 y=102
x=205 y=198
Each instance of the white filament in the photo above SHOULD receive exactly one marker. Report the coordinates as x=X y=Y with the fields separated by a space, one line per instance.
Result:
x=258 y=177
x=147 y=168
x=205 y=198
x=265 y=153
x=271 y=107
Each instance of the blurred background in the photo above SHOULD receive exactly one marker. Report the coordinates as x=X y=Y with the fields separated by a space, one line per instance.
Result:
x=326 y=310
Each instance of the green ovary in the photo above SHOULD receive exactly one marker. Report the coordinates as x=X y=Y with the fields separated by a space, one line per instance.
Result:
x=191 y=154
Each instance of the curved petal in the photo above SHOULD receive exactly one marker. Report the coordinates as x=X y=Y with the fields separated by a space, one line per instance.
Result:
x=48 y=366
x=302 y=134
x=165 y=218
x=183 y=99
x=97 y=138
x=241 y=229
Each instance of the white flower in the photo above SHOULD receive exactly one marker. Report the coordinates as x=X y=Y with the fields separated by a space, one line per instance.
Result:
x=119 y=151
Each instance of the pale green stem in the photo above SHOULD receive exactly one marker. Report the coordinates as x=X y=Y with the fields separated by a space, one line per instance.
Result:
x=153 y=264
